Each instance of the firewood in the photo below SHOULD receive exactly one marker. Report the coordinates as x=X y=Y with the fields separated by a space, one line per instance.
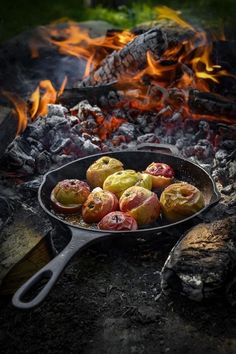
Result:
x=202 y=262
x=211 y=104
x=130 y=59
x=203 y=103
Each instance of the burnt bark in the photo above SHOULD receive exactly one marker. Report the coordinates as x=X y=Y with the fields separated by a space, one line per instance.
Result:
x=211 y=104
x=202 y=103
x=202 y=261
x=130 y=59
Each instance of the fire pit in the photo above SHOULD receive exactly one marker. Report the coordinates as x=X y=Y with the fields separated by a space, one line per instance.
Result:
x=169 y=84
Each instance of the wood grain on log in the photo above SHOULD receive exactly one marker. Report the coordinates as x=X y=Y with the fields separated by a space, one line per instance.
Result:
x=202 y=261
x=130 y=59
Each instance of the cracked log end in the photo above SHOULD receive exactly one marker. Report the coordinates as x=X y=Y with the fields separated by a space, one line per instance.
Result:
x=202 y=262
x=129 y=59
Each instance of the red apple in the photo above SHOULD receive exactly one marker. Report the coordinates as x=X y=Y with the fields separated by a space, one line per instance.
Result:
x=118 y=221
x=68 y=195
x=99 y=204
x=140 y=203
x=101 y=169
x=162 y=174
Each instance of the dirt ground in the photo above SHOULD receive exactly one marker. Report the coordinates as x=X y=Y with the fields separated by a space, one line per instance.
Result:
x=108 y=301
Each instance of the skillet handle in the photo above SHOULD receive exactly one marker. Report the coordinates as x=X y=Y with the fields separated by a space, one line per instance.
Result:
x=52 y=270
x=168 y=148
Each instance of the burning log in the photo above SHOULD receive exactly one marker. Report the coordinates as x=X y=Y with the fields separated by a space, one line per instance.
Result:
x=202 y=262
x=130 y=59
x=203 y=103
x=211 y=104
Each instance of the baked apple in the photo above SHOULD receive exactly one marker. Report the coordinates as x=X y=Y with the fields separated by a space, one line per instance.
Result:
x=69 y=195
x=144 y=180
x=101 y=169
x=120 y=181
x=118 y=221
x=140 y=203
x=161 y=173
x=98 y=204
x=180 y=200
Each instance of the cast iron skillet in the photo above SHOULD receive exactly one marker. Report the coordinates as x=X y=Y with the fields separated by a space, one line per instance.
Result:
x=80 y=237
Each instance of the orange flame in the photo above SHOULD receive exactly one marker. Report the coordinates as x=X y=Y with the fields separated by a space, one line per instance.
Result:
x=76 y=41
x=20 y=108
x=186 y=65
x=44 y=94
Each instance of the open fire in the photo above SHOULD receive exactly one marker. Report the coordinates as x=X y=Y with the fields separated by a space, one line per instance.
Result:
x=164 y=85
x=157 y=85
x=160 y=71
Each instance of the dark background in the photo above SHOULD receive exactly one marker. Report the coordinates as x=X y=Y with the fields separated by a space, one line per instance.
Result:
x=22 y=15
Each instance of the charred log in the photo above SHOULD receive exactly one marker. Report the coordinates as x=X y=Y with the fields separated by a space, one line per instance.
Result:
x=72 y=96
x=202 y=261
x=130 y=59
x=203 y=103
x=211 y=104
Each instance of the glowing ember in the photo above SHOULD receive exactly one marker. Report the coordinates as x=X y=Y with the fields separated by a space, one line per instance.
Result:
x=107 y=127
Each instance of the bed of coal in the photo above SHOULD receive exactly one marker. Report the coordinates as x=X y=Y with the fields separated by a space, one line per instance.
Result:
x=150 y=295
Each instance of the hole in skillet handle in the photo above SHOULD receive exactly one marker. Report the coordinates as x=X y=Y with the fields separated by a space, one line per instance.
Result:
x=29 y=295
x=33 y=291
x=166 y=148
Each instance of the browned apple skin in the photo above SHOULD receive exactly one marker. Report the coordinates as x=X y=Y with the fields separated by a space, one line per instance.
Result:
x=68 y=196
x=161 y=173
x=140 y=203
x=97 y=205
x=118 y=221
x=181 y=200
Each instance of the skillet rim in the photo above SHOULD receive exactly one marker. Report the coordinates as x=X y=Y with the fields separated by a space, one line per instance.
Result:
x=215 y=194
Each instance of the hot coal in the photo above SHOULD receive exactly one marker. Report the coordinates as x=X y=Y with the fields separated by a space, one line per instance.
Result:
x=203 y=261
x=64 y=135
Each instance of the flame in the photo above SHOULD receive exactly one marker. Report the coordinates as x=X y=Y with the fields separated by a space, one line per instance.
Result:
x=20 y=108
x=43 y=95
x=184 y=66
x=63 y=85
x=89 y=66
x=76 y=41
